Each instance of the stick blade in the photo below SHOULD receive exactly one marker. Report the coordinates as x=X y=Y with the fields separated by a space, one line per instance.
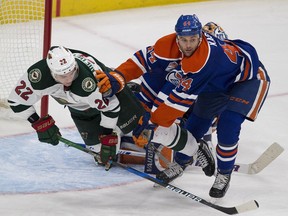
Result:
x=248 y=206
x=266 y=158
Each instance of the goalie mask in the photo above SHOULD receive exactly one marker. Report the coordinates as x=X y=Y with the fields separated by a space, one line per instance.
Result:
x=61 y=61
x=215 y=30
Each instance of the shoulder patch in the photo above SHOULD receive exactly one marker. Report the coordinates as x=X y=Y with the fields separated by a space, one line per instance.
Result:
x=88 y=84
x=35 y=75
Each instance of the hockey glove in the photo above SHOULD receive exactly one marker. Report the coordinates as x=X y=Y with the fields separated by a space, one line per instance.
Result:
x=108 y=149
x=144 y=131
x=46 y=130
x=109 y=83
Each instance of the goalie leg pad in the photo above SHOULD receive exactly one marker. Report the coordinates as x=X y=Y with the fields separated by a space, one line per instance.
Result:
x=152 y=164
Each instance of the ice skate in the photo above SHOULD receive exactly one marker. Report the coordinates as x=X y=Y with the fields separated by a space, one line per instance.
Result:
x=205 y=158
x=220 y=186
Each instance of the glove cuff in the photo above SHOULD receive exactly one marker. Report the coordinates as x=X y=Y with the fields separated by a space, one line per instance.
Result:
x=120 y=79
x=43 y=124
x=33 y=118
x=109 y=140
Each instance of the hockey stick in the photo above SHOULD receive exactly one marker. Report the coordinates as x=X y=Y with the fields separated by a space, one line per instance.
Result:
x=120 y=151
x=251 y=205
x=269 y=155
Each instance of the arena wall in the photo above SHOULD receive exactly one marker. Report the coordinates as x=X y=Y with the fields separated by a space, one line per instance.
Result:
x=77 y=7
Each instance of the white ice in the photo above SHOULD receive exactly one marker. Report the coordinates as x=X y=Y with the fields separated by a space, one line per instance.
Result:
x=41 y=180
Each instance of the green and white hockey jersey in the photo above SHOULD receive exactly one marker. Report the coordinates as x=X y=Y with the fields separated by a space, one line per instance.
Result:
x=81 y=95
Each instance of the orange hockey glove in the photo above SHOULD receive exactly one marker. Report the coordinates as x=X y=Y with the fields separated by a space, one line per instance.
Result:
x=109 y=83
x=144 y=131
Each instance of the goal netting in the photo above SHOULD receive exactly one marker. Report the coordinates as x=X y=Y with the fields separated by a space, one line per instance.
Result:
x=21 y=42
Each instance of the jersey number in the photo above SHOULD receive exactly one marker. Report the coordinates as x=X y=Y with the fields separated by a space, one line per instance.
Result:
x=23 y=91
x=231 y=52
x=184 y=82
x=150 y=55
x=102 y=103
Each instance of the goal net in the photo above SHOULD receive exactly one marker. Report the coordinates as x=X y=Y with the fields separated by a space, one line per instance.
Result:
x=21 y=42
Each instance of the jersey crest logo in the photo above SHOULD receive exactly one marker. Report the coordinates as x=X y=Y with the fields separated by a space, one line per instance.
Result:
x=88 y=84
x=34 y=75
x=173 y=77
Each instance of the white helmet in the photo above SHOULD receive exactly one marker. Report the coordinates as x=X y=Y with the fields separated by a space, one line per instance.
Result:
x=60 y=60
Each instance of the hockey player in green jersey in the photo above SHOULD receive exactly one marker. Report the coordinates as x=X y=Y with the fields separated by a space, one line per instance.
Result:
x=68 y=76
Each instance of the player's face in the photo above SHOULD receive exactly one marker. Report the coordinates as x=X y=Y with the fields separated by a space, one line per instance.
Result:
x=188 y=44
x=67 y=79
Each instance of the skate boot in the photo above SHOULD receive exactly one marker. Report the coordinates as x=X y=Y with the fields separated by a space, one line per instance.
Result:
x=96 y=149
x=98 y=161
x=205 y=159
x=220 y=186
x=169 y=174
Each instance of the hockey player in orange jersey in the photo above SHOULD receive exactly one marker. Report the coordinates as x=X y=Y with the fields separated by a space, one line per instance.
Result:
x=225 y=76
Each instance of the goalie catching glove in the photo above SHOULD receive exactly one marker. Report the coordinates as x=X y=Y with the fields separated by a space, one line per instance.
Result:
x=108 y=149
x=144 y=131
x=109 y=83
x=46 y=130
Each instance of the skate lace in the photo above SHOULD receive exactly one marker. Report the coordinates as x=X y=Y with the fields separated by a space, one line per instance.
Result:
x=201 y=158
x=221 y=181
x=173 y=170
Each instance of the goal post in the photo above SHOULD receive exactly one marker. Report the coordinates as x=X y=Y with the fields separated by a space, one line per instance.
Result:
x=25 y=37
x=46 y=47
